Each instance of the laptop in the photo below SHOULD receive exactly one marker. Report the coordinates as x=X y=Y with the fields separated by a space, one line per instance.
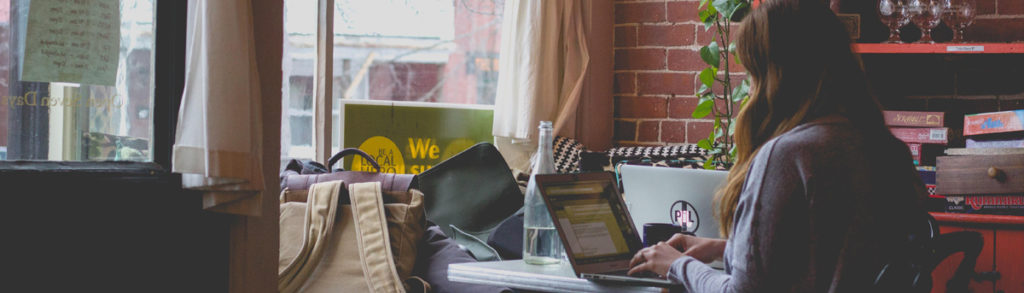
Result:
x=595 y=227
x=673 y=195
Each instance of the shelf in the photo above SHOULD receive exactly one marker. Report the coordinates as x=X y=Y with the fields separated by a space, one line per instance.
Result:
x=978 y=218
x=971 y=48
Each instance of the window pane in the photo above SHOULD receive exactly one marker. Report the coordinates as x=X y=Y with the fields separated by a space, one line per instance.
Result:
x=76 y=80
x=298 y=65
x=443 y=51
x=303 y=126
x=434 y=51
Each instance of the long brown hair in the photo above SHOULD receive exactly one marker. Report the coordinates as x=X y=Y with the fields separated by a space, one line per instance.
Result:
x=799 y=59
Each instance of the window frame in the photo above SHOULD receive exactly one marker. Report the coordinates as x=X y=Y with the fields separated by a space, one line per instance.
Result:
x=168 y=85
x=325 y=110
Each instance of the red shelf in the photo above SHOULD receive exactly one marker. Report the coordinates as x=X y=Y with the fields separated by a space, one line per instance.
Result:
x=978 y=219
x=972 y=48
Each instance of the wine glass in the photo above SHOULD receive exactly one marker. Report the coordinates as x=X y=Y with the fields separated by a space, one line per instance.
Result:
x=925 y=14
x=894 y=15
x=958 y=15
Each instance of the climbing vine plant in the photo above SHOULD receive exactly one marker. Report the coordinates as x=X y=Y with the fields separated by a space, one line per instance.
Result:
x=721 y=106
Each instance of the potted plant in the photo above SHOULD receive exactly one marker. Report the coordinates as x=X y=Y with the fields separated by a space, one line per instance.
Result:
x=721 y=106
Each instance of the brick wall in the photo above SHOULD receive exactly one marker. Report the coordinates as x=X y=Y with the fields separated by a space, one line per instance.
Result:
x=998 y=21
x=656 y=63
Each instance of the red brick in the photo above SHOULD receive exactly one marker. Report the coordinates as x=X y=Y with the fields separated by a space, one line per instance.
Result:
x=735 y=108
x=697 y=130
x=681 y=107
x=1010 y=7
x=666 y=35
x=705 y=37
x=639 y=59
x=637 y=144
x=625 y=130
x=673 y=131
x=691 y=61
x=996 y=30
x=736 y=79
x=987 y=6
x=641 y=107
x=736 y=67
x=648 y=131
x=1011 y=104
x=625 y=36
x=679 y=84
x=625 y=83
x=682 y=11
x=639 y=12
x=685 y=60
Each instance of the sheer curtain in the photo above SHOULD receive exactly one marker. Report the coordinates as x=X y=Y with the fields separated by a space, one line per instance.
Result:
x=218 y=144
x=543 y=60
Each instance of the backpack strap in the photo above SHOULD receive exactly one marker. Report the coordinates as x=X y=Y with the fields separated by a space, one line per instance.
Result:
x=321 y=210
x=372 y=238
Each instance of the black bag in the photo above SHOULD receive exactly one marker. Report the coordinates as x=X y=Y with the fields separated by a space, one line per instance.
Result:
x=299 y=175
x=469 y=194
x=507 y=239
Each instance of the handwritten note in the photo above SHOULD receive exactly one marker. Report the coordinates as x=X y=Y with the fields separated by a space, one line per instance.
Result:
x=72 y=41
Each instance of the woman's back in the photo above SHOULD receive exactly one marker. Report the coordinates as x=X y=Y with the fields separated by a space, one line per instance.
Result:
x=822 y=208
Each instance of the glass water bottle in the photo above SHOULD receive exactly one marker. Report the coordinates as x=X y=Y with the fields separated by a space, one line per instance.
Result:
x=541 y=244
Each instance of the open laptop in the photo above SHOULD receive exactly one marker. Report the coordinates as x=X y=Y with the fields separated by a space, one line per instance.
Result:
x=595 y=227
x=674 y=195
x=662 y=194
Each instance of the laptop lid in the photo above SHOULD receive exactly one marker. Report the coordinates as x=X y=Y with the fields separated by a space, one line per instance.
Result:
x=662 y=194
x=592 y=221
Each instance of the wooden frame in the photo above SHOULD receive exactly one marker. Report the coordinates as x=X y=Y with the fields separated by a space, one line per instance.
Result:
x=323 y=82
x=970 y=48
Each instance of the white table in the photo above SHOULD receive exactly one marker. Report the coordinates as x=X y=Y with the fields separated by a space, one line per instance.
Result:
x=544 y=278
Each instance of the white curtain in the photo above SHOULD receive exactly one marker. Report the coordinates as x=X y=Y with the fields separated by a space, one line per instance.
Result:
x=218 y=144
x=543 y=60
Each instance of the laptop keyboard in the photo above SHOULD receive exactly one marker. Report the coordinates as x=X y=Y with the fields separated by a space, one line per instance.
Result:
x=625 y=273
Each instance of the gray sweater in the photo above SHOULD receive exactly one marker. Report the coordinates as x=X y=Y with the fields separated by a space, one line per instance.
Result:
x=821 y=209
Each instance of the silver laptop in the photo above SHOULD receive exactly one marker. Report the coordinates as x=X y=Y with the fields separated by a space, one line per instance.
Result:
x=672 y=195
x=595 y=226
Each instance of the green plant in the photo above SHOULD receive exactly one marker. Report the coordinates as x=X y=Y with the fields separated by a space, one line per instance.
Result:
x=717 y=14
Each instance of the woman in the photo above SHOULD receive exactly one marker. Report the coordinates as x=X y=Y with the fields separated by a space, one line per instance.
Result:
x=822 y=194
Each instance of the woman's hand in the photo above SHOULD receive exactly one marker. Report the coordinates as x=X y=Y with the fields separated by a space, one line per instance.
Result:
x=656 y=259
x=705 y=250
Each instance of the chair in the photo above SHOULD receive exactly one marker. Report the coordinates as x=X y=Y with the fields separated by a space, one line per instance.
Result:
x=914 y=273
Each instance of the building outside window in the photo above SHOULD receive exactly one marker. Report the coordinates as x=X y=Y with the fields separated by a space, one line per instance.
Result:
x=443 y=52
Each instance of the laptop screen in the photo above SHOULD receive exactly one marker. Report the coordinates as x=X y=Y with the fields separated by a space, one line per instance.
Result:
x=591 y=218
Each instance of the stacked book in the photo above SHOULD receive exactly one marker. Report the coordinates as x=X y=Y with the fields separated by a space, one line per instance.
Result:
x=925 y=136
x=995 y=130
x=996 y=140
x=921 y=131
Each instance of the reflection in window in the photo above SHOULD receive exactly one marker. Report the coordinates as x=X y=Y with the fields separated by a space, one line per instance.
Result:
x=76 y=80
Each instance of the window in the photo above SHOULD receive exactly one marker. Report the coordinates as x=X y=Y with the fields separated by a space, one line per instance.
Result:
x=76 y=80
x=439 y=53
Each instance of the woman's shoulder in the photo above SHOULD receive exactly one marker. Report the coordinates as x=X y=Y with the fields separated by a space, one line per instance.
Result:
x=817 y=135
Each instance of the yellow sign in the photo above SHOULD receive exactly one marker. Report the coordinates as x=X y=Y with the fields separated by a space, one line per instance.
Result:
x=384 y=151
x=412 y=139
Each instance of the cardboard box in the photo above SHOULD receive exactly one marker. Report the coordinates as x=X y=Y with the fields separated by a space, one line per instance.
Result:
x=994 y=122
x=915 y=152
x=914 y=118
x=986 y=204
x=973 y=143
x=921 y=135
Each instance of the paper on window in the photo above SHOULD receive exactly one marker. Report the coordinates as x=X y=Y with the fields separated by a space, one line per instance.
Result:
x=73 y=41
